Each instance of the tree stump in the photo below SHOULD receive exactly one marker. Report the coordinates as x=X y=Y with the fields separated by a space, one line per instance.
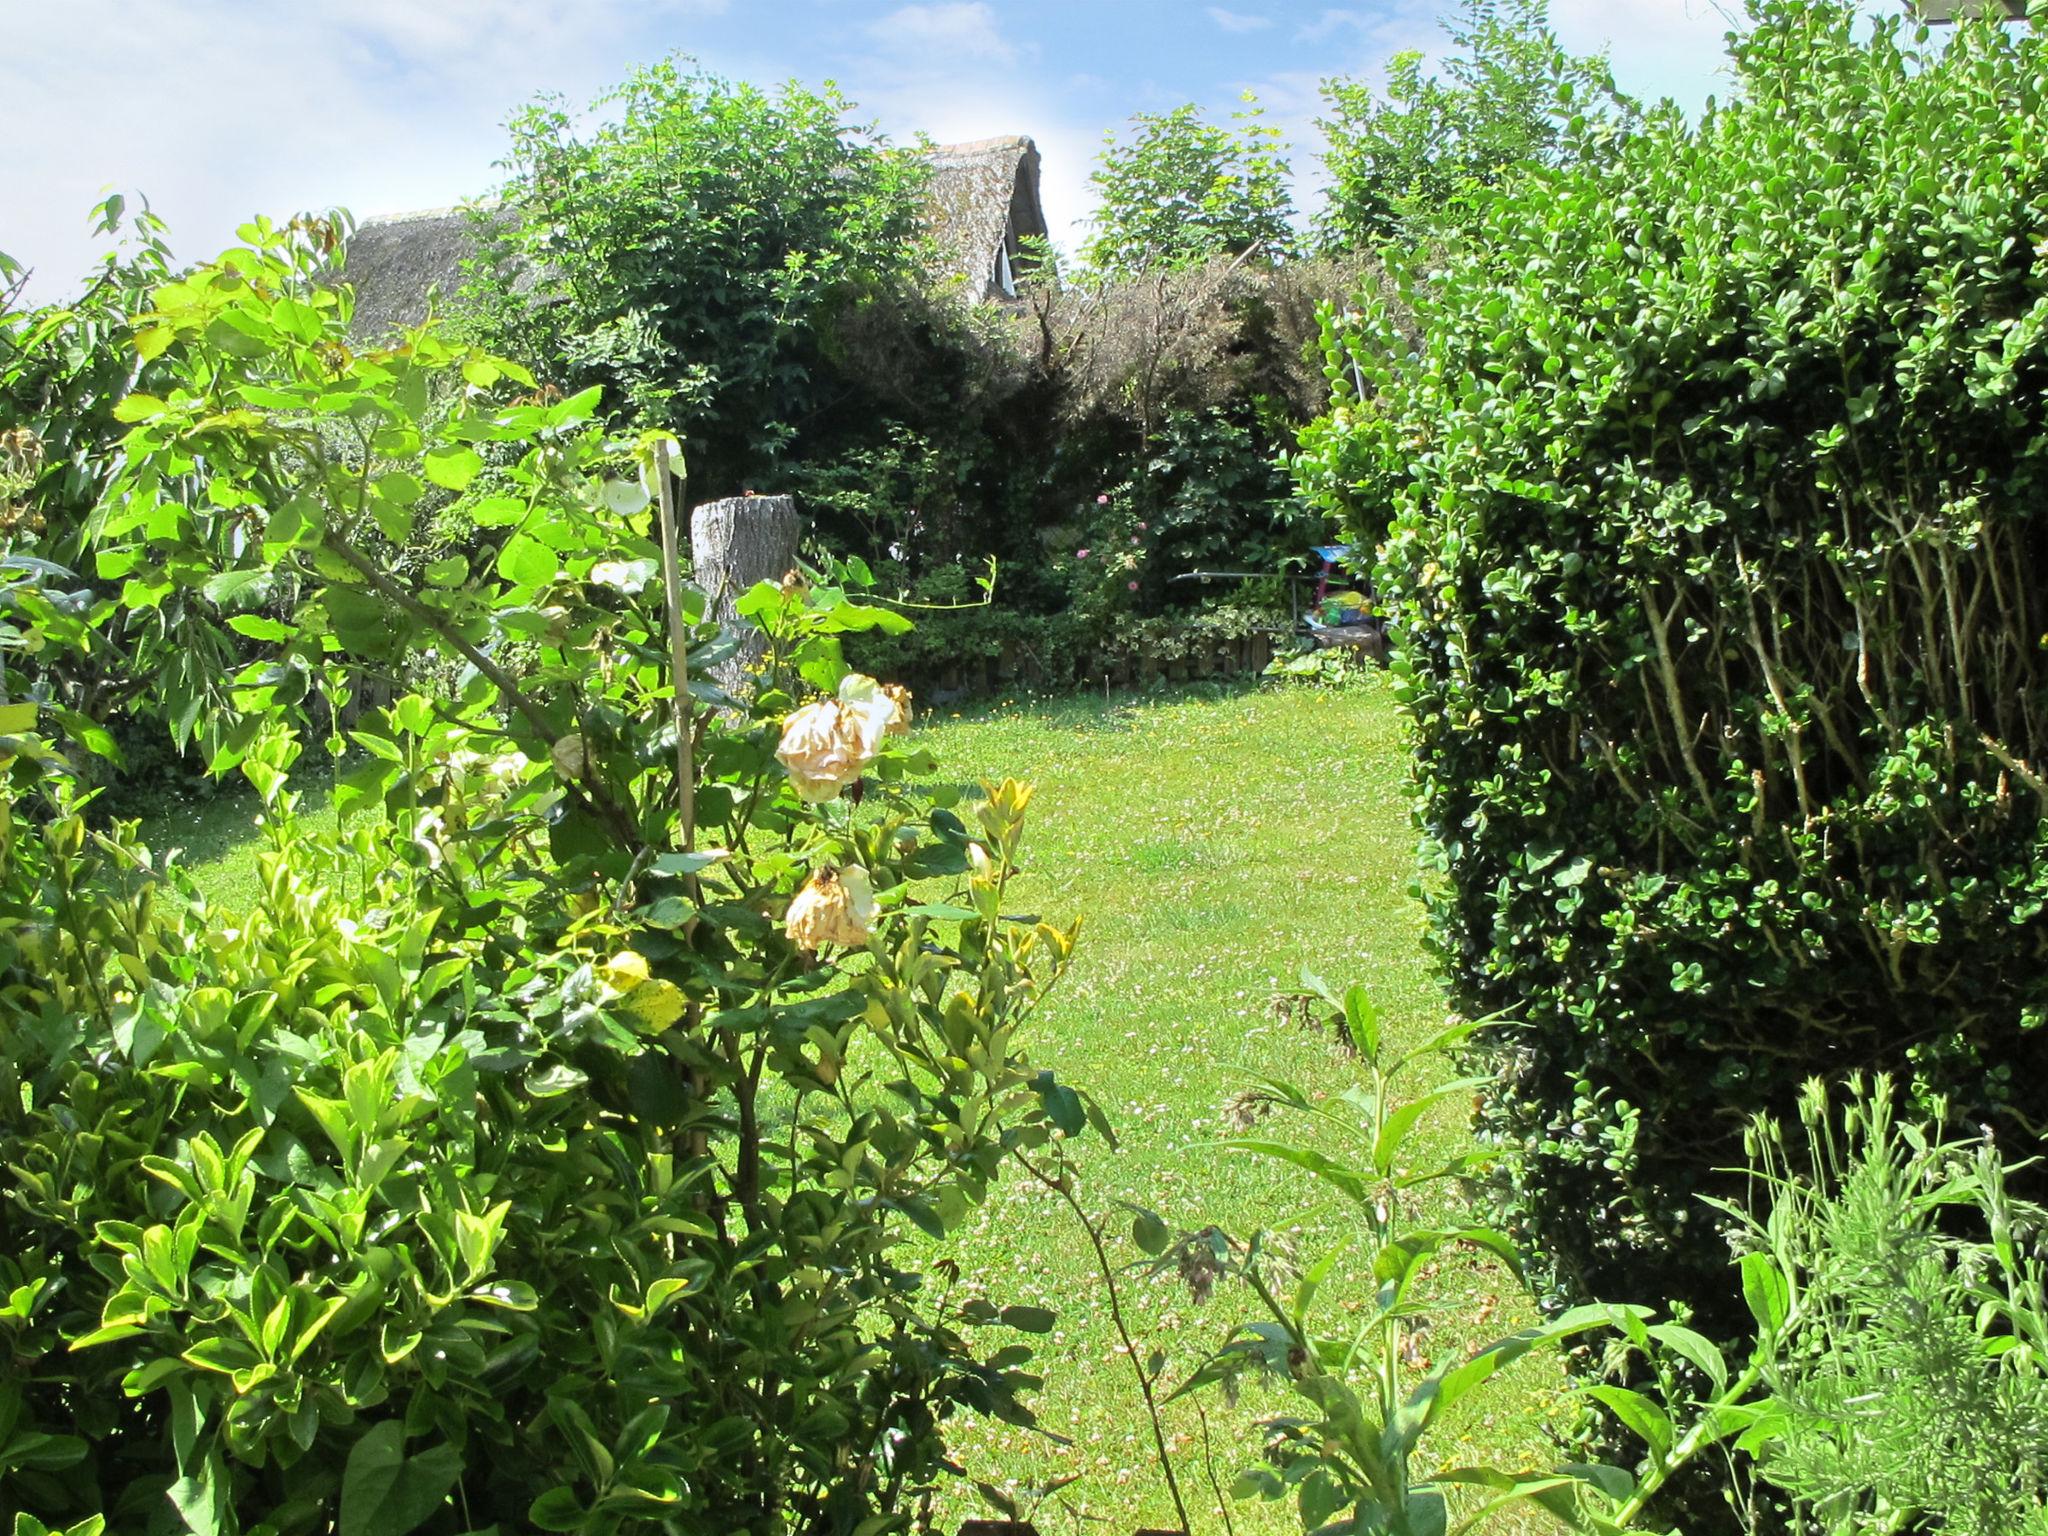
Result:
x=735 y=543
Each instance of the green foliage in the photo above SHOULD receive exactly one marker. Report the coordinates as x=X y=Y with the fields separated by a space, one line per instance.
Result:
x=1710 y=503
x=1909 y=1358
x=64 y=370
x=693 y=251
x=1411 y=160
x=1182 y=190
x=539 y=1152
x=1349 y=1453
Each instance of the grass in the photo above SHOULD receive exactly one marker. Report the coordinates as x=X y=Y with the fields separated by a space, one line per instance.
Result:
x=1216 y=845
x=1216 y=842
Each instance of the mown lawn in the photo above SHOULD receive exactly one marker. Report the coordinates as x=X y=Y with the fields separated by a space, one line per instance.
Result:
x=1215 y=843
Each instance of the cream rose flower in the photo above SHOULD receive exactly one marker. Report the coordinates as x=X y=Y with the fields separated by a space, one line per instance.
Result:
x=823 y=749
x=872 y=709
x=836 y=906
x=570 y=756
x=900 y=696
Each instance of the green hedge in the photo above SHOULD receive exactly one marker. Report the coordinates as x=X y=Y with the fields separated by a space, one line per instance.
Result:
x=1712 y=470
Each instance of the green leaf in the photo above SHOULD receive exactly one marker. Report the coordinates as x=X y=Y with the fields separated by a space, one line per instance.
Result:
x=384 y=1492
x=556 y=1510
x=138 y=407
x=224 y=587
x=688 y=863
x=297 y=319
x=1764 y=1288
x=1029 y=1319
x=255 y=626
x=1151 y=1234
x=1062 y=1105
x=526 y=562
x=453 y=466
x=1350 y=1181
x=1694 y=1347
x=498 y=512
x=1649 y=1422
x=1363 y=1020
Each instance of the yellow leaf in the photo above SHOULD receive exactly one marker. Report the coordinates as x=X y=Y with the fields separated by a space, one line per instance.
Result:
x=654 y=1005
x=624 y=971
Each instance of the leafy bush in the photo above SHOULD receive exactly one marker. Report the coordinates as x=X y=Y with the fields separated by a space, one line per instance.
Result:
x=64 y=369
x=539 y=1151
x=694 y=253
x=1404 y=163
x=1710 y=482
x=1183 y=190
x=1909 y=1380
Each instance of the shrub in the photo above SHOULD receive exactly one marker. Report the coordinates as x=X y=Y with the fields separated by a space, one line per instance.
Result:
x=1908 y=1381
x=539 y=1151
x=696 y=250
x=1184 y=190
x=1403 y=163
x=1710 y=483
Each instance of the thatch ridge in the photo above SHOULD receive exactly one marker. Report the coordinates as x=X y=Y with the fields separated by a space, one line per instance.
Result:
x=404 y=264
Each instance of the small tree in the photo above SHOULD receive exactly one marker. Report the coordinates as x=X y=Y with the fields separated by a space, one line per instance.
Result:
x=693 y=252
x=1408 y=158
x=1184 y=189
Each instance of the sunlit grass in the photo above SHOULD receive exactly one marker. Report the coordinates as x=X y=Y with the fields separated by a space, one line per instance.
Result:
x=1216 y=844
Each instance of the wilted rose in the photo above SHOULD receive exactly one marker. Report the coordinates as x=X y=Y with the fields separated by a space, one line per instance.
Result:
x=569 y=756
x=876 y=710
x=822 y=749
x=900 y=696
x=836 y=906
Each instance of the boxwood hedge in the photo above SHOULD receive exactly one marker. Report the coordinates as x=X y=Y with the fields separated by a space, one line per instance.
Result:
x=1712 y=472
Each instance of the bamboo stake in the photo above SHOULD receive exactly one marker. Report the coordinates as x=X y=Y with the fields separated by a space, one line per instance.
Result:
x=666 y=502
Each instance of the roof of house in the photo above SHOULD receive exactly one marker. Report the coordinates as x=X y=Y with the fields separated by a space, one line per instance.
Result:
x=982 y=196
x=400 y=264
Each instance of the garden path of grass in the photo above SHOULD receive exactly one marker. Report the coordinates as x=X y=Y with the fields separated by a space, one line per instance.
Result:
x=1215 y=843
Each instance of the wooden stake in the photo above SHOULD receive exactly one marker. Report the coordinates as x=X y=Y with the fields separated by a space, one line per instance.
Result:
x=666 y=502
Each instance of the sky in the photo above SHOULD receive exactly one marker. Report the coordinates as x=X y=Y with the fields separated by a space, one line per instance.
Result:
x=218 y=109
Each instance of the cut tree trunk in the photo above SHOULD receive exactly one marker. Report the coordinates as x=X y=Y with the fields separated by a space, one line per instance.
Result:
x=734 y=544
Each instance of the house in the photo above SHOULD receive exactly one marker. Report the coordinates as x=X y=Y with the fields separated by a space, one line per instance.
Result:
x=982 y=205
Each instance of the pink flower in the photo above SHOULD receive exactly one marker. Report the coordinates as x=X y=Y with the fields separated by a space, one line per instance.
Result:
x=1132 y=585
x=1134 y=538
x=1102 y=501
x=1143 y=526
x=1080 y=554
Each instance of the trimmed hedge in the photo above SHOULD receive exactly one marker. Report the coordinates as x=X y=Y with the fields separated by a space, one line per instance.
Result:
x=1712 y=470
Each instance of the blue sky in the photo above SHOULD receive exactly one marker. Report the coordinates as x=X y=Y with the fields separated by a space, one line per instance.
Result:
x=220 y=108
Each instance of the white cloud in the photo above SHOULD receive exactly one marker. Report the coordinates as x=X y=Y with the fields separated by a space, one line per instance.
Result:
x=1330 y=23
x=217 y=109
x=1236 y=21
x=959 y=32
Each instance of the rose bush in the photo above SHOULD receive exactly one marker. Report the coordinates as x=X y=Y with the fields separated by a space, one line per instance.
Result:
x=538 y=1151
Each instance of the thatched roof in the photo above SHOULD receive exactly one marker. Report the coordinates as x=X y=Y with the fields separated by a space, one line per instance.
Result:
x=404 y=264
x=983 y=200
